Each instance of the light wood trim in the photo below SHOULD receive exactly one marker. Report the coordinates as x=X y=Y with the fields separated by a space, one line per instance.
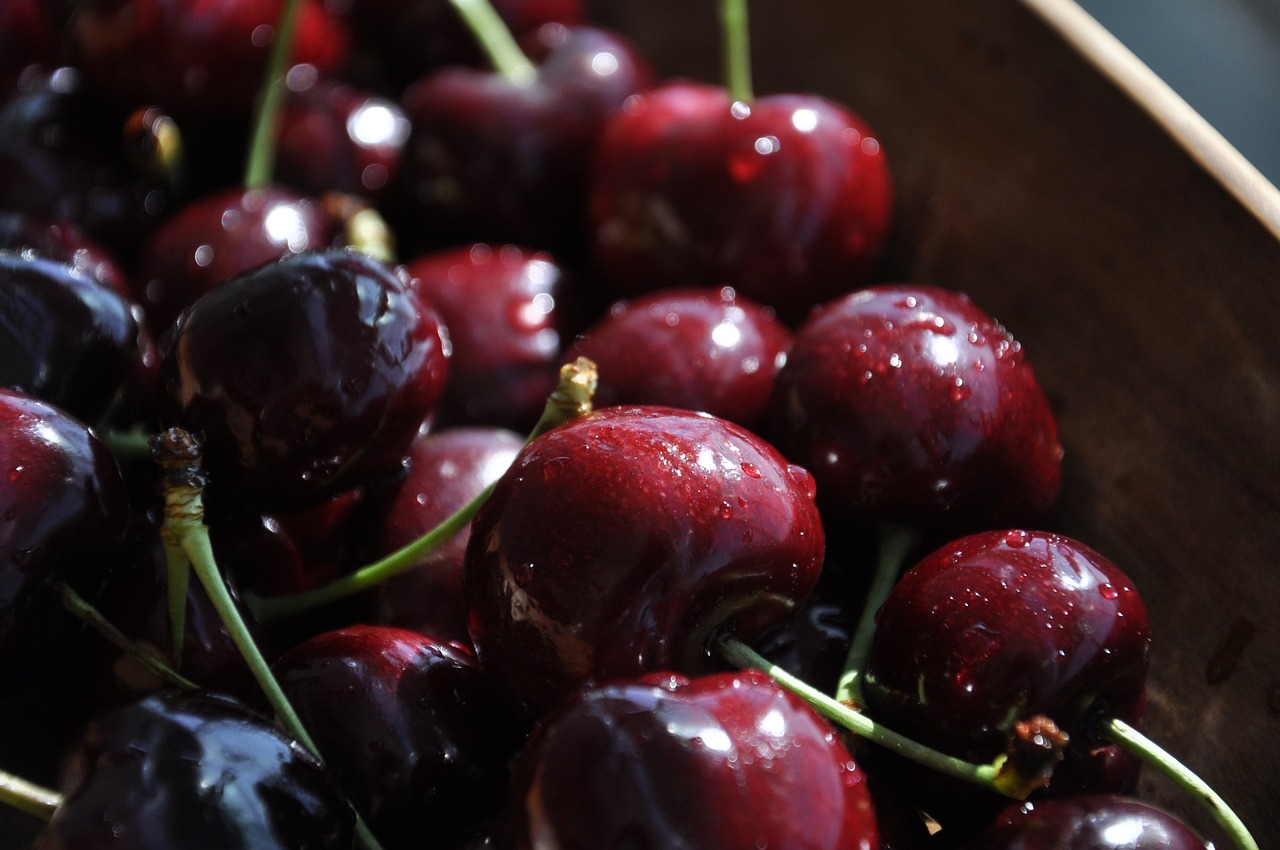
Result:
x=1154 y=96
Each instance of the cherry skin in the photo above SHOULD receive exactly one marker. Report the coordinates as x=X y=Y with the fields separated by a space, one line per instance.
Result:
x=787 y=199
x=1000 y=626
x=191 y=58
x=705 y=350
x=507 y=310
x=64 y=337
x=65 y=242
x=194 y=770
x=1087 y=822
x=63 y=508
x=222 y=235
x=414 y=730
x=725 y=760
x=307 y=376
x=447 y=469
x=624 y=541
x=337 y=137
x=492 y=160
x=909 y=403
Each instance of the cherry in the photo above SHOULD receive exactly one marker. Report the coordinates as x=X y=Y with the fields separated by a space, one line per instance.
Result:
x=63 y=509
x=909 y=403
x=64 y=337
x=507 y=310
x=705 y=350
x=415 y=732
x=726 y=760
x=194 y=770
x=623 y=541
x=53 y=163
x=219 y=236
x=446 y=470
x=308 y=376
x=999 y=627
x=191 y=58
x=65 y=242
x=1087 y=822
x=502 y=158
x=785 y=198
x=336 y=137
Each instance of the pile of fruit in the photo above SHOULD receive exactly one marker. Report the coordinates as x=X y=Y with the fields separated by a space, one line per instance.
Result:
x=553 y=469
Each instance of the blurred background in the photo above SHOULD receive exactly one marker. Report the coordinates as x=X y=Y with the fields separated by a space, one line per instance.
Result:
x=1221 y=56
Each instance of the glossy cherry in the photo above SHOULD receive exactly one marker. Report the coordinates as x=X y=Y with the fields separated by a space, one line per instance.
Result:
x=495 y=160
x=447 y=469
x=194 y=770
x=308 y=376
x=65 y=242
x=1087 y=822
x=1003 y=625
x=509 y=311
x=622 y=542
x=194 y=58
x=64 y=337
x=786 y=199
x=725 y=760
x=910 y=403
x=222 y=235
x=416 y=733
x=699 y=349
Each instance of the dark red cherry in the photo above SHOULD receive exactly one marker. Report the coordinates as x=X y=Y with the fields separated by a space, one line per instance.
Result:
x=912 y=404
x=726 y=760
x=624 y=541
x=414 y=730
x=786 y=199
x=220 y=236
x=1087 y=822
x=447 y=469
x=336 y=137
x=307 y=376
x=63 y=508
x=700 y=349
x=194 y=770
x=61 y=159
x=65 y=242
x=493 y=160
x=64 y=337
x=508 y=310
x=1000 y=626
x=194 y=58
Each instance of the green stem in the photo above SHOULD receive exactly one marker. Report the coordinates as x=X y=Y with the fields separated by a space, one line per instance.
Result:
x=895 y=542
x=269 y=610
x=25 y=796
x=735 y=36
x=134 y=444
x=986 y=775
x=570 y=399
x=261 y=158
x=179 y=580
x=76 y=605
x=496 y=41
x=1160 y=759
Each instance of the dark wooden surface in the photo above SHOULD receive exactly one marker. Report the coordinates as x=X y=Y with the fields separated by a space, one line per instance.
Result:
x=1146 y=296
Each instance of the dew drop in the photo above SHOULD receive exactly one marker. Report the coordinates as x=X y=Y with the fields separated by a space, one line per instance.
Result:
x=959 y=391
x=751 y=471
x=1108 y=591
x=726 y=510
x=1017 y=539
x=551 y=470
x=15 y=473
x=523 y=574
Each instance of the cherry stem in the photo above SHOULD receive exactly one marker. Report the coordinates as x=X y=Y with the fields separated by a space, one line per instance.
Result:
x=182 y=484
x=1160 y=759
x=79 y=607
x=895 y=542
x=736 y=47
x=496 y=40
x=134 y=444
x=570 y=400
x=28 y=797
x=985 y=775
x=261 y=159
